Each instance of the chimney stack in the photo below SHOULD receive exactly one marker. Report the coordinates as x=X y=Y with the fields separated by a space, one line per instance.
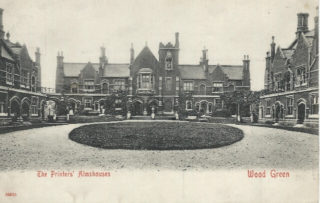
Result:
x=1 y=24
x=37 y=53
x=273 y=49
x=302 y=23
x=131 y=54
x=177 y=40
x=103 y=58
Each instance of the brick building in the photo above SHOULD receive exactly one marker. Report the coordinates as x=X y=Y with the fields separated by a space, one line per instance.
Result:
x=291 y=79
x=151 y=83
x=20 y=81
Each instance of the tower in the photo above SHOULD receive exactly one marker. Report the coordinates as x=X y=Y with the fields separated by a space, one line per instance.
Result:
x=59 y=73
x=169 y=76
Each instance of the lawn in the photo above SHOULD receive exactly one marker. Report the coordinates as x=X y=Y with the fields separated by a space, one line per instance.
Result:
x=156 y=135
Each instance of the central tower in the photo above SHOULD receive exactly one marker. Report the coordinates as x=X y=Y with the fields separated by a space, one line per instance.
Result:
x=169 y=76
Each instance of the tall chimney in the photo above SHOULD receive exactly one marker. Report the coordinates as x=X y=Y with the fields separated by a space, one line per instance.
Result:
x=1 y=24
x=103 y=58
x=302 y=23
x=131 y=54
x=37 y=53
x=273 y=49
x=177 y=40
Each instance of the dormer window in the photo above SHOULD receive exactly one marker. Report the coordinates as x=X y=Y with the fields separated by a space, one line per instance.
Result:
x=168 y=61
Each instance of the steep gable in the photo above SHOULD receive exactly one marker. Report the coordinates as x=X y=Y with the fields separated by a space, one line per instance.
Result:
x=218 y=75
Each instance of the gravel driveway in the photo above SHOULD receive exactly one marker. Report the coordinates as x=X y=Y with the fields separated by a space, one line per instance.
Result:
x=50 y=148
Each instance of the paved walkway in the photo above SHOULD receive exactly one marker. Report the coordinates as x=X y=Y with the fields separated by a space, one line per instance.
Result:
x=50 y=148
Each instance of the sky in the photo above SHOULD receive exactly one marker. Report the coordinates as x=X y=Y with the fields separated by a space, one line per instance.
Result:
x=228 y=29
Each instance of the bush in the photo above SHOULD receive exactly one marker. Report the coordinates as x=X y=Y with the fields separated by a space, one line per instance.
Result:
x=221 y=113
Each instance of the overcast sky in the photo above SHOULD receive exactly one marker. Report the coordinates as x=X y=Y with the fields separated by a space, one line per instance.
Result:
x=228 y=29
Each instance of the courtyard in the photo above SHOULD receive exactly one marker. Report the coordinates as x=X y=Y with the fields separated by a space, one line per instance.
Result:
x=51 y=148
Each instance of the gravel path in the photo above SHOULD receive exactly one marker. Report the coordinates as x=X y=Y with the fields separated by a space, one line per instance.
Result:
x=50 y=148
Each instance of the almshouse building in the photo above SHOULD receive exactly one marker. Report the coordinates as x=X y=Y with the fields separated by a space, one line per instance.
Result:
x=291 y=78
x=20 y=81
x=151 y=83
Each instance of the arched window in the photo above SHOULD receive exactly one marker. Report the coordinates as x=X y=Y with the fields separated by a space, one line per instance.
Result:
x=188 y=105
x=168 y=61
x=203 y=89
x=74 y=88
x=105 y=88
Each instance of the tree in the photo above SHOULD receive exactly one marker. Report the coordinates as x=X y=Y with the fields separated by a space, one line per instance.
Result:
x=243 y=99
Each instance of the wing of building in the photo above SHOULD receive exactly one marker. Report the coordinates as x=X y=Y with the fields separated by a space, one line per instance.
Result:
x=291 y=78
x=152 y=84
x=20 y=81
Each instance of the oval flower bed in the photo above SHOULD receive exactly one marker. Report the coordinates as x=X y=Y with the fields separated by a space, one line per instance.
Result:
x=156 y=135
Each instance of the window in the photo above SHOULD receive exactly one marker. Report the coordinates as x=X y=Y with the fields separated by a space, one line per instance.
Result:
x=146 y=81
x=87 y=103
x=268 y=109
x=1 y=108
x=188 y=86
x=301 y=76
x=105 y=88
x=168 y=61
x=188 y=105
x=119 y=85
x=10 y=73
x=34 y=102
x=210 y=108
x=168 y=84
x=74 y=88
x=217 y=87
x=33 y=84
x=288 y=81
x=289 y=105
x=24 y=78
x=197 y=107
x=314 y=104
x=203 y=89
x=218 y=103
x=89 y=85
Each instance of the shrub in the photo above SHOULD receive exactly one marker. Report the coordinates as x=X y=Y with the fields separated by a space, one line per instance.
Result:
x=221 y=113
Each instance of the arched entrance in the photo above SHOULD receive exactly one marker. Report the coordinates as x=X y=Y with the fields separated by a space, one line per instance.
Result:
x=301 y=112
x=137 y=108
x=203 y=109
x=25 y=110
x=15 y=110
x=153 y=104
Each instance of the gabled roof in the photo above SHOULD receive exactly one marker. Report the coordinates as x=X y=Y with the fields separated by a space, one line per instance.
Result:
x=116 y=70
x=192 y=72
x=110 y=70
x=145 y=52
x=74 y=69
x=287 y=53
x=234 y=72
